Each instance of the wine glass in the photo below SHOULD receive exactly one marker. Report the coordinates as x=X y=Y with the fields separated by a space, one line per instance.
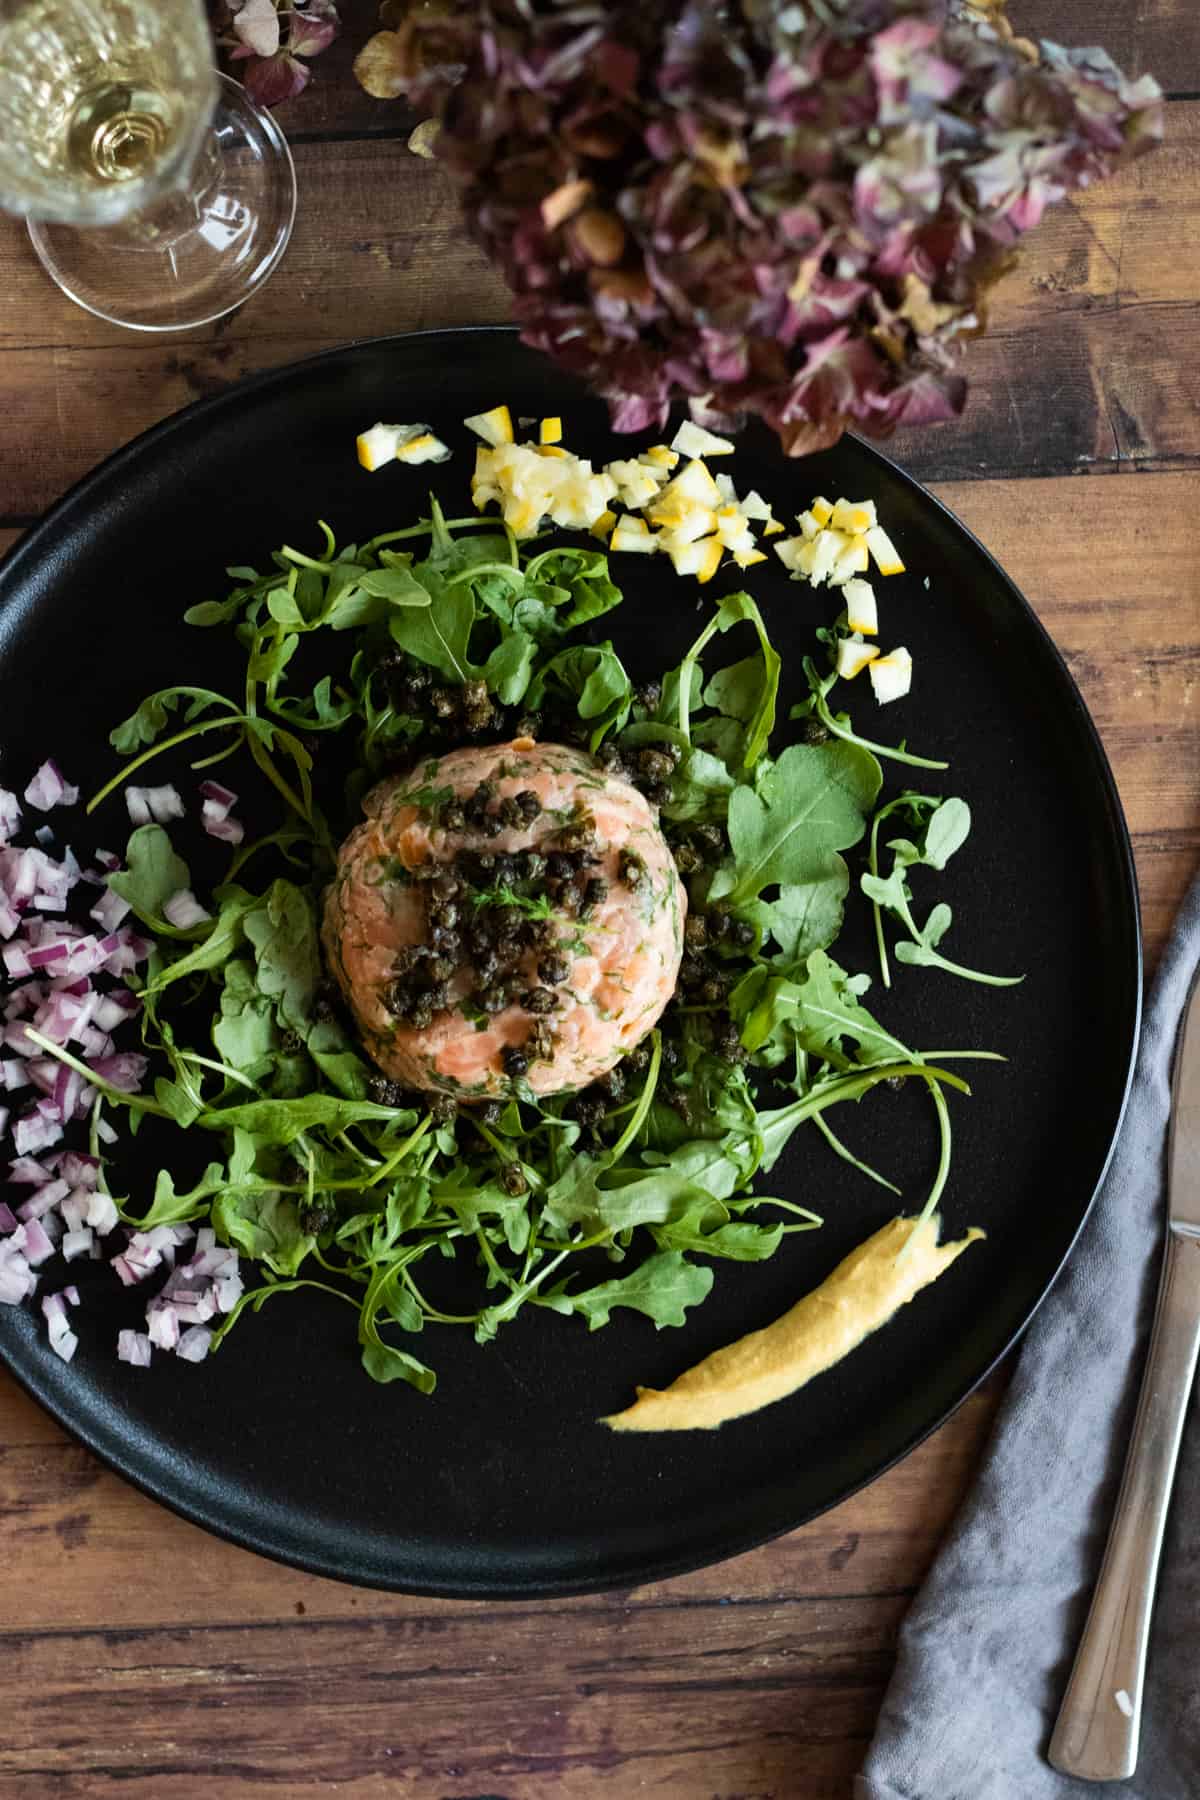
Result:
x=158 y=195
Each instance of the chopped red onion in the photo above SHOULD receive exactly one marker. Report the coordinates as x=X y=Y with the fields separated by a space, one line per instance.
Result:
x=95 y=1043
x=12 y=1073
x=109 y=910
x=42 y=1199
x=134 y=1347
x=17 y=1279
x=157 y=803
x=44 y=836
x=10 y=813
x=162 y=1326
x=62 y=1339
x=194 y=1344
x=16 y=961
x=10 y=919
x=36 y=1130
x=80 y=1169
x=218 y=797
x=102 y=1213
x=126 y=952
x=219 y=825
x=126 y=1070
x=77 y=1243
x=183 y=909
x=27 y=1172
x=38 y=1243
x=46 y=954
x=105 y=1132
x=8 y=1218
x=49 y=788
x=114 y=1008
x=73 y=1209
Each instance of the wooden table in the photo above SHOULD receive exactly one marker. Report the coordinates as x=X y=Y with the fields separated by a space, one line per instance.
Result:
x=147 y=1660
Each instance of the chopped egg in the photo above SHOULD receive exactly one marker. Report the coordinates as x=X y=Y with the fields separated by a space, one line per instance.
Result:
x=853 y=516
x=772 y=528
x=746 y=559
x=810 y=525
x=636 y=484
x=755 y=507
x=795 y=554
x=827 y=547
x=853 y=656
x=399 y=443
x=891 y=675
x=694 y=440
x=887 y=557
x=725 y=487
x=686 y=520
x=733 y=529
x=531 y=484
x=660 y=456
x=633 y=534
x=822 y=509
x=494 y=427
x=694 y=482
x=700 y=559
x=849 y=562
x=862 y=614
x=603 y=525
x=550 y=432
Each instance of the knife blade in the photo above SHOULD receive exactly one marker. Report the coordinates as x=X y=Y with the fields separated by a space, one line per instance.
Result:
x=1096 y=1736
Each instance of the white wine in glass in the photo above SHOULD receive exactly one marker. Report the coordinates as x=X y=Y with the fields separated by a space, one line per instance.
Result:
x=158 y=194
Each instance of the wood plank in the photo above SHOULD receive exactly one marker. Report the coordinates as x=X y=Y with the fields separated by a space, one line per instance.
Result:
x=742 y=1699
x=1154 y=36
x=1079 y=370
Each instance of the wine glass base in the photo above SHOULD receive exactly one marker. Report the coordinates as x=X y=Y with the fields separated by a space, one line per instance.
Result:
x=197 y=253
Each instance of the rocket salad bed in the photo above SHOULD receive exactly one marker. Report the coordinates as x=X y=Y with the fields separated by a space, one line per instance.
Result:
x=317 y=1169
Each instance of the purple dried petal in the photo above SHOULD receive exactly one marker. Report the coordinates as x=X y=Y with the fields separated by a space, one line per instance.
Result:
x=815 y=199
x=271 y=80
x=312 y=30
x=256 y=26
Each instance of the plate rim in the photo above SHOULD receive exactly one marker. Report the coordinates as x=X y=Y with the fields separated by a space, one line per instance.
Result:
x=121 y=1459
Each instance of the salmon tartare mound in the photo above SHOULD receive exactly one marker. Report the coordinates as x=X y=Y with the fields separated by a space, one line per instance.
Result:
x=505 y=914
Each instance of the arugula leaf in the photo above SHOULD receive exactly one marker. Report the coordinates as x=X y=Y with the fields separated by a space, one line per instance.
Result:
x=595 y=678
x=264 y=1225
x=153 y=873
x=224 y=935
x=170 y=1208
x=282 y=1121
x=578 y=1199
x=508 y=668
x=244 y=1033
x=807 y=916
x=383 y=1361
x=945 y=831
x=440 y=633
x=284 y=935
x=814 y=803
x=398 y=585
x=709 y=1230
x=662 y=1287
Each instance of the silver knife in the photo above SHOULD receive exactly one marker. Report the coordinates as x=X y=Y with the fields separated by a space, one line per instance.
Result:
x=1096 y=1736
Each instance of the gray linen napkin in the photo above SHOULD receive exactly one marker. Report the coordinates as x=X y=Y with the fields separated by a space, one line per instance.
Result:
x=987 y=1648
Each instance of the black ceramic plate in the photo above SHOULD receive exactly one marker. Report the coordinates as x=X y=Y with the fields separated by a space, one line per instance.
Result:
x=503 y=1484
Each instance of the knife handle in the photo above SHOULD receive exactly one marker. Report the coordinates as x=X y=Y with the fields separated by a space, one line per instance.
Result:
x=1096 y=1736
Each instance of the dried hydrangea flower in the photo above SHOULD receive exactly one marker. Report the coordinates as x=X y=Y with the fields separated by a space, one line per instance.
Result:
x=793 y=210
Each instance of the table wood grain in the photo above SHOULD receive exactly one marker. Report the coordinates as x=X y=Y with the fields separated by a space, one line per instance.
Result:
x=145 y=1659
